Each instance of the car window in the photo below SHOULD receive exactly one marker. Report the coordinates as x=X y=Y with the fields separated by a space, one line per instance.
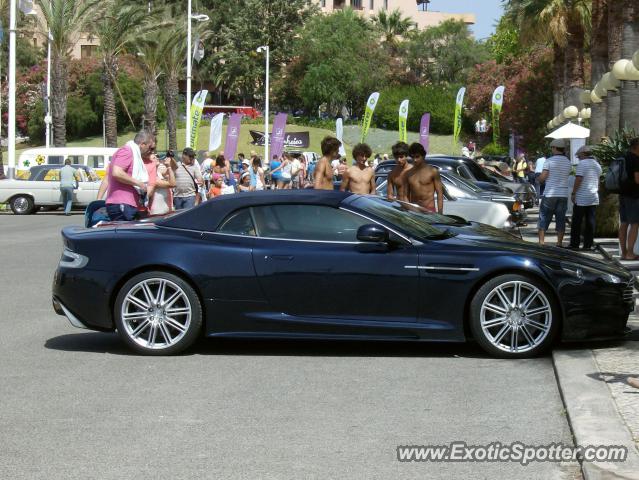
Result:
x=76 y=159
x=307 y=222
x=238 y=223
x=463 y=172
x=477 y=171
x=50 y=175
x=55 y=159
x=96 y=161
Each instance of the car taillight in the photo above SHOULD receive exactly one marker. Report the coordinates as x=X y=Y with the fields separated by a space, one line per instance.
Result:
x=516 y=206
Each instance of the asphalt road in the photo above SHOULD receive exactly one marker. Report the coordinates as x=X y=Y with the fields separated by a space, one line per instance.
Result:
x=76 y=404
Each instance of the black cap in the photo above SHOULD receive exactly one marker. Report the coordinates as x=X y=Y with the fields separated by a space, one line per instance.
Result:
x=189 y=152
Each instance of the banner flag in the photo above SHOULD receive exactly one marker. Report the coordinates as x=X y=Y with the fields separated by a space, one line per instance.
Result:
x=459 y=103
x=403 y=119
x=339 y=134
x=198 y=50
x=232 y=136
x=424 y=131
x=498 y=101
x=278 y=135
x=368 y=115
x=215 y=139
x=196 y=116
x=292 y=140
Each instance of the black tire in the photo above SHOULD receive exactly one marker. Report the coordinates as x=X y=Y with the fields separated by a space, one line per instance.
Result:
x=22 y=205
x=157 y=317
x=531 y=333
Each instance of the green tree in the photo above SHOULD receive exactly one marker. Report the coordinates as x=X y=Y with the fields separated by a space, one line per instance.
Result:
x=65 y=19
x=336 y=63
x=235 y=64
x=120 y=23
x=445 y=53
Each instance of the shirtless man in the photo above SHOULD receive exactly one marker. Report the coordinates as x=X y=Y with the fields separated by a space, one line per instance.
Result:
x=359 y=178
x=396 y=176
x=323 y=169
x=422 y=182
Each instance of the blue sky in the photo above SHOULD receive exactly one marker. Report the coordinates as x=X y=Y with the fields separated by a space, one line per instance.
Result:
x=487 y=12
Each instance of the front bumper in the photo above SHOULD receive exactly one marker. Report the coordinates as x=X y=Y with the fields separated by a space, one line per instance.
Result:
x=596 y=311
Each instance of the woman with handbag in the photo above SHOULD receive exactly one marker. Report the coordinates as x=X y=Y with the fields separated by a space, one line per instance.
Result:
x=188 y=180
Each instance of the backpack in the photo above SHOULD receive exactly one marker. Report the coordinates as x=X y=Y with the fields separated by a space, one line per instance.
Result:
x=617 y=176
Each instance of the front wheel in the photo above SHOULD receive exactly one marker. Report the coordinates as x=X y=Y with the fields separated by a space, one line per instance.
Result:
x=158 y=313
x=22 y=205
x=514 y=316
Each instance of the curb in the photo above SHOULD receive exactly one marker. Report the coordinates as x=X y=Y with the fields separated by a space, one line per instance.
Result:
x=592 y=414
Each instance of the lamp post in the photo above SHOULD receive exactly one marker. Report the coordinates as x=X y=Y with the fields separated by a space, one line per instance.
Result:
x=189 y=68
x=265 y=48
x=11 y=140
x=47 y=117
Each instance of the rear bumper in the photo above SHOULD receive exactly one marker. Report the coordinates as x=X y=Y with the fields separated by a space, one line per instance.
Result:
x=82 y=296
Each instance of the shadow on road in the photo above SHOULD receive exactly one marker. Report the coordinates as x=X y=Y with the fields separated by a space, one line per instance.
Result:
x=96 y=342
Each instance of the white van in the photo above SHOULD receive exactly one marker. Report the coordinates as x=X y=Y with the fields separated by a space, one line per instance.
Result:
x=96 y=158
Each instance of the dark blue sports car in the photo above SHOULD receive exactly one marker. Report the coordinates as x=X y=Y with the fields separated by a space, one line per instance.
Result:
x=332 y=265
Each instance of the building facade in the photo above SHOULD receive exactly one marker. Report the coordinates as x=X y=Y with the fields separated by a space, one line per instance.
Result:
x=417 y=10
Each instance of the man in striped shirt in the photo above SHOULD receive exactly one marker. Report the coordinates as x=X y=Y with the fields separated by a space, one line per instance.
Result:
x=585 y=196
x=555 y=201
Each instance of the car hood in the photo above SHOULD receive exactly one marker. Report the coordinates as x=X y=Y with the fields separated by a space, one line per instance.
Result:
x=491 y=238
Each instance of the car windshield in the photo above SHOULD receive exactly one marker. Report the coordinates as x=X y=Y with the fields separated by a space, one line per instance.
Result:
x=463 y=183
x=477 y=171
x=414 y=220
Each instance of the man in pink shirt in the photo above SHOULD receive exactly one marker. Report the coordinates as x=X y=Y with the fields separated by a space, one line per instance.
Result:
x=123 y=199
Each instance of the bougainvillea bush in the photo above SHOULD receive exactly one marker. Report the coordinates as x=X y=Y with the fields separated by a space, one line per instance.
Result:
x=528 y=102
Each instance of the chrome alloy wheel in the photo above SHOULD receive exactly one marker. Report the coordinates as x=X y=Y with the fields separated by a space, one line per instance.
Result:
x=156 y=313
x=21 y=205
x=516 y=317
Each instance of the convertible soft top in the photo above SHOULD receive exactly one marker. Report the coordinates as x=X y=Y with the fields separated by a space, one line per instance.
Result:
x=214 y=211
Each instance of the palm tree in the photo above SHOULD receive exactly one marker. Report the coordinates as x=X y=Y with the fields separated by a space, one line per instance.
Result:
x=150 y=57
x=392 y=25
x=65 y=19
x=562 y=23
x=613 y=100
x=629 y=112
x=599 y=65
x=122 y=21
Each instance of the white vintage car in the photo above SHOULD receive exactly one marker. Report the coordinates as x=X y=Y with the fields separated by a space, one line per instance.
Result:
x=42 y=189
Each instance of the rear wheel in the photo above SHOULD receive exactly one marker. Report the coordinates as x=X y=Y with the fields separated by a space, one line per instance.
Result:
x=514 y=316
x=22 y=205
x=158 y=313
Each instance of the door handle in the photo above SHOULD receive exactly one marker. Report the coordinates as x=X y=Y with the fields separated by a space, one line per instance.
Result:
x=286 y=258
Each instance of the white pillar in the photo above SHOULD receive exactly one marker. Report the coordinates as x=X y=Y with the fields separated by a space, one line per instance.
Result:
x=188 y=78
x=47 y=117
x=11 y=139
x=267 y=159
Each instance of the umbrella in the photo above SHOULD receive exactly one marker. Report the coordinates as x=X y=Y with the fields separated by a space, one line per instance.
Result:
x=570 y=130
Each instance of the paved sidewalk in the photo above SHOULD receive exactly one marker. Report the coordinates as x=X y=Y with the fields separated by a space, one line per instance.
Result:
x=611 y=363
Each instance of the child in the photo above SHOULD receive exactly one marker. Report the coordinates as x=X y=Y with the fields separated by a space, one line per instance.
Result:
x=218 y=184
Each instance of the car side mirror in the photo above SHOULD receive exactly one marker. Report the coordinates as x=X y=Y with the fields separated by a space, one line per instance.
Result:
x=372 y=233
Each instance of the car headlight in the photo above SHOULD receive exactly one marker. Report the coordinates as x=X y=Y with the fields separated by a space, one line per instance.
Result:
x=580 y=272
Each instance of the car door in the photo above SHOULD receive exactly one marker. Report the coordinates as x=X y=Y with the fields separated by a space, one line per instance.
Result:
x=47 y=185
x=311 y=266
x=88 y=186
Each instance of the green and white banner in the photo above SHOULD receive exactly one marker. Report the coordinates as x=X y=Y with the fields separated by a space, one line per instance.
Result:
x=368 y=115
x=498 y=101
x=403 y=119
x=196 y=116
x=459 y=103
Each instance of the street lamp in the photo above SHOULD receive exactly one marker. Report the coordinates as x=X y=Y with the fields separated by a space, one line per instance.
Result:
x=265 y=48
x=189 y=59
